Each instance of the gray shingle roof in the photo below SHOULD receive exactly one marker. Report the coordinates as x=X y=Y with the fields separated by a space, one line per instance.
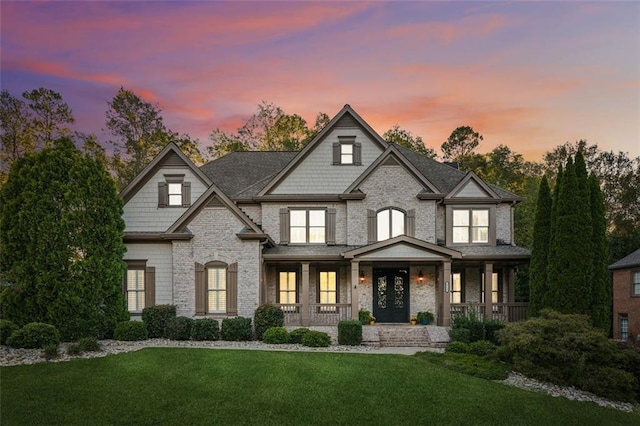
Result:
x=243 y=174
x=505 y=251
x=630 y=261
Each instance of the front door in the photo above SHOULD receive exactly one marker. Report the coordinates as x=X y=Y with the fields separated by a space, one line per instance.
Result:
x=391 y=295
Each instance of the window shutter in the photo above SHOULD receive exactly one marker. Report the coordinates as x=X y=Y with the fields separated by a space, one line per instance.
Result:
x=371 y=226
x=201 y=290
x=186 y=194
x=411 y=223
x=331 y=226
x=284 y=225
x=232 y=290
x=336 y=153
x=162 y=194
x=149 y=286
x=357 y=153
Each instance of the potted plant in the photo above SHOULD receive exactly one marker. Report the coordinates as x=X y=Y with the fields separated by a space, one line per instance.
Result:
x=372 y=320
x=363 y=316
x=413 y=320
x=425 y=317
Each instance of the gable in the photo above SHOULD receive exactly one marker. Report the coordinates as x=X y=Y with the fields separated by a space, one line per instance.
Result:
x=472 y=190
x=402 y=252
x=472 y=187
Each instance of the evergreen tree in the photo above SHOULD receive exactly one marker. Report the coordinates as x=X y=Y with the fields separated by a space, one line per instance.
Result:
x=538 y=284
x=568 y=272
x=61 y=232
x=601 y=301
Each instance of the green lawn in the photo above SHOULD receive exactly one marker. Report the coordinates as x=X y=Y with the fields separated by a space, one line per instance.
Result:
x=217 y=387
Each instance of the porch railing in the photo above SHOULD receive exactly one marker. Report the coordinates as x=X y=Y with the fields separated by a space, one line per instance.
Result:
x=507 y=312
x=319 y=313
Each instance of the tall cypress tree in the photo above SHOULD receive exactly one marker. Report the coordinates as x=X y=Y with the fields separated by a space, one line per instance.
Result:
x=61 y=232
x=601 y=301
x=569 y=267
x=538 y=285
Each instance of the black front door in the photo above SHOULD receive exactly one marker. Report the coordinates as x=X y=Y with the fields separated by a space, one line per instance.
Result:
x=391 y=295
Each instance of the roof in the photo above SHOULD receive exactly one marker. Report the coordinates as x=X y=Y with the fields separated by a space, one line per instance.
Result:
x=630 y=261
x=493 y=252
x=243 y=174
x=318 y=252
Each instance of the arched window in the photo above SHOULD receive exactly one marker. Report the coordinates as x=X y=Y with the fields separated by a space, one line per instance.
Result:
x=216 y=287
x=390 y=223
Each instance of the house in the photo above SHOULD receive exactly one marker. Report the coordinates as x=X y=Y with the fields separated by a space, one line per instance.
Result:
x=350 y=222
x=626 y=296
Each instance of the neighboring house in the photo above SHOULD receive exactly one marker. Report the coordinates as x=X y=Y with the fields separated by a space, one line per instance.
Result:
x=626 y=296
x=350 y=222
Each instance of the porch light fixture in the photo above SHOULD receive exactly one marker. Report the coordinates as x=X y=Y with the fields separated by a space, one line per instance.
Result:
x=420 y=276
x=361 y=276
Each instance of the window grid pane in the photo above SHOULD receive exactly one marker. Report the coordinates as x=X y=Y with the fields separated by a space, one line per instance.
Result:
x=135 y=290
x=175 y=194
x=460 y=234
x=456 y=288
x=346 y=153
x=328 y=290
x=217 y=289
x=287 y=294
x=636 y=283
x=624 y=327
x=307 y=226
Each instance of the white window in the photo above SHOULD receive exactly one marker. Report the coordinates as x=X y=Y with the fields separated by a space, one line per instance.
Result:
x=495 y=294
x=635 y=286
x=470 y=225
x=346 y=153
x=328 y=291
x=307 y=226
x=174 y=191
x=456 y=287
x=390 y=224
x=623 y=321
x=135 y=290
x=287 y=291
x=216 y=289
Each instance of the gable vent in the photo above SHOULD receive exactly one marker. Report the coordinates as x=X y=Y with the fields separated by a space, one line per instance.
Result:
x=390 y=162
x=172 y=159
x=347 y=120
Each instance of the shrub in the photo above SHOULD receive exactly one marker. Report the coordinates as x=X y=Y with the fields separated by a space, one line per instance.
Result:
x=89 y=344
x=179 y=328
x=34 y=335
x=131 y=331
x=565 y=349
x=235 y=329
x=491 y=329
x=462 y=335
x=157 y=318
x=276 y=336
x=363 y=316
x=50 y=351
x=469 y=328
x=205 y=329
x=267 y=316
x=481 y=348
x=316 y=339
x=6 y=328
x=298 y=334
x=458 y=347
x=350 y=332
x=74 y=349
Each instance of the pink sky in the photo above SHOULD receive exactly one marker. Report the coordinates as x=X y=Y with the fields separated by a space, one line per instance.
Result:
x=529 y=75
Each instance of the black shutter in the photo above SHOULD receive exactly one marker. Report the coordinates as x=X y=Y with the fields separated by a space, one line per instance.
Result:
x=336 y=153
x=331 y=226
x=357 y=153
x=186 y=194
x=284 y=225
x=372 y=230
x=162 y=194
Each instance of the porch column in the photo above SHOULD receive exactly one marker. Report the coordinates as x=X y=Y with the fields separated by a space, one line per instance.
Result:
x=511 y=285
x=355 y=275
x=488 y=286
x=305 y=312
x=445 y=291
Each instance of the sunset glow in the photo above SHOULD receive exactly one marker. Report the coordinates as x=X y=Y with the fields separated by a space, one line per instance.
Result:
x=530 y=75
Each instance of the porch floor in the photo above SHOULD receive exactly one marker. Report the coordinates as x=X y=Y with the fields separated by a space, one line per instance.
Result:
x=394 y=335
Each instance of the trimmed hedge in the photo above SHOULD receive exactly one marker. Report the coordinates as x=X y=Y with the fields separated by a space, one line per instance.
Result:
x=179 y=328
x=6 y=329
x=267 y=316
x=480 y=347
x=297 y=335
x=236 y=329
x=157 y=318
x=276 y=336
x=350 y=333
x=205 y=329
x=34 y=335
x=470 y=328
x=316 y=339
x=131 y=331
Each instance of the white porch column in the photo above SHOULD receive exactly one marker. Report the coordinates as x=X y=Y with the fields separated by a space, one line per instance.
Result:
x=355 y=275
x=305 y=312
x=445 y=290
x=488 y=286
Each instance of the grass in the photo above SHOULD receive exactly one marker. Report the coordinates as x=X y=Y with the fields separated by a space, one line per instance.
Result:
x=204 y=386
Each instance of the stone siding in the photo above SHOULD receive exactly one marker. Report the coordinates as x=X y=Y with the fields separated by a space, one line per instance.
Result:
x=503 y=223
x=215 y=239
